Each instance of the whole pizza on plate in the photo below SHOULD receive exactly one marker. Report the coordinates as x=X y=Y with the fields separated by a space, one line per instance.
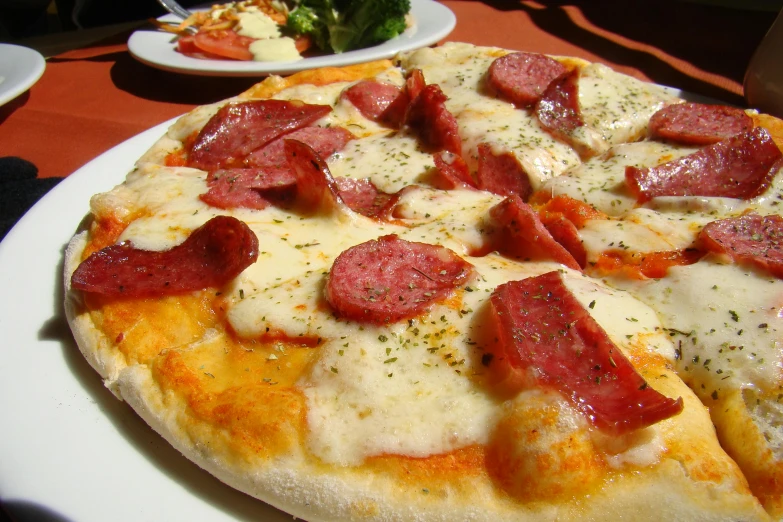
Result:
x=467 y=284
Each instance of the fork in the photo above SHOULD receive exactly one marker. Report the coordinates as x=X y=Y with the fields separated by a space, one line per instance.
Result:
x=174 y=8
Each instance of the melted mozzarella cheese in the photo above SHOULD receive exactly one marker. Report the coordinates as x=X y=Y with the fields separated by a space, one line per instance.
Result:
x=391 y=161
x=600 y=181
x=641 y=230
x=617 y=106
x=726 y=322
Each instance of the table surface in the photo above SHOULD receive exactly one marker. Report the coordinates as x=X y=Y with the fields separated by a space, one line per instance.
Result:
x=95 y=96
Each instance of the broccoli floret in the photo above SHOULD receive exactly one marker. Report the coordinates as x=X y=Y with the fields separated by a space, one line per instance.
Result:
x=305 y=20
x=369 y=22
x=344 y=25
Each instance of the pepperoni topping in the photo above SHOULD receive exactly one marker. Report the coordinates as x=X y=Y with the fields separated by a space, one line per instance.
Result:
x=523 y=235
x=739 y=167
x=362 y=196
x=238 y=129
x=452 y=172
x=390 y=279
x=567 y=235
x=415 y=83
x=211 y=256
x=372 y=98
x=698 y=123
x=558 y=109
x=547 y=338
x=247 y=188
x=316 y=189
x=437 y=127
x=325 y=141
x=502 y=174
x=270 y=178
x=522 y=78
x=749 y=239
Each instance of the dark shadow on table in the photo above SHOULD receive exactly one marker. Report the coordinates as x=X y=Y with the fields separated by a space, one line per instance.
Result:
x=717 y=40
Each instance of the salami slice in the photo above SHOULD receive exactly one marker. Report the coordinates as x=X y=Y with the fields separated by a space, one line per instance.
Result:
x=547 y=338
x=523 y=235
x=415 y=83
x=558 y=108
x=325 y=141
x=316 y=189
x=502 y=174
x=248 y=187
x=452 y=172
x=372 y=98
x=237 y=129
x=211 y=256
x=362 y=196
x=436 y=126
x=739 y=167
x=390 y=279
x=698 y=123
x=522 y=78
x=565 y=232
x=750 y=239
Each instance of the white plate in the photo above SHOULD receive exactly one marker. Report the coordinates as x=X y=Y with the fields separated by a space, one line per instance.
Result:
x=69 y=450
x=20 y=68
x=433 y=22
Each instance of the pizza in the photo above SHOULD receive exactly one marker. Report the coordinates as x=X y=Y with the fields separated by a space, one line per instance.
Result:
x=468 y=283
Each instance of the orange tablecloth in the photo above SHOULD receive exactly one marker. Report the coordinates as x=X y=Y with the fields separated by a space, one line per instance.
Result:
x=93 y=98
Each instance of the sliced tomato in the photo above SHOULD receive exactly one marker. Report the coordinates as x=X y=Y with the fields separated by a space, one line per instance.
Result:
x=186 y=45
x=227 y=44
x=219 y=45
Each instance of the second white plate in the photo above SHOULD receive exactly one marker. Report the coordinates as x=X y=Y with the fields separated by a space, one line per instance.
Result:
x=20 y=68
x=432 y=22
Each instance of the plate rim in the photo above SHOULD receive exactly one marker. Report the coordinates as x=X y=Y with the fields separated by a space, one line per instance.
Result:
x=33 y=67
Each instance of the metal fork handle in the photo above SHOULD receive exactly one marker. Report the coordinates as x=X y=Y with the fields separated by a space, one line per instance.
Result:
x=174 y=8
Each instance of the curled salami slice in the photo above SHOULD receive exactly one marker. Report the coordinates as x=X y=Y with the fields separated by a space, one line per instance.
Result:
x=749 y=239
x=546 y=337
x=237 y=129
x=739 y=167
x=316 y=189
x=436 y=126
x=452 y=172
x=362 y=196
x=522 y=78
x=502 y=174
x=565 y=232
x=247 y=188
x=211 y=256
x=523 y=235
x=558 y=108
x=372 y=98
x=390 y=279
x=325 y=141
x=698 y=123
x=415 y=83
